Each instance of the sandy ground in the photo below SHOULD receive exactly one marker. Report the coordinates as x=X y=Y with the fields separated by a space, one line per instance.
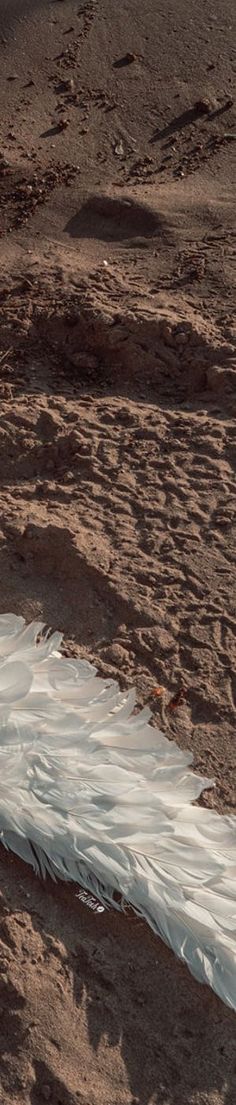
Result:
x=117 y=447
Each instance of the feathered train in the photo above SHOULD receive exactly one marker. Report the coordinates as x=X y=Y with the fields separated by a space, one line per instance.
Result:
x=91 y=792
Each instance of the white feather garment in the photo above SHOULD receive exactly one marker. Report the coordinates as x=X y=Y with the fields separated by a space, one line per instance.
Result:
x=91 y=792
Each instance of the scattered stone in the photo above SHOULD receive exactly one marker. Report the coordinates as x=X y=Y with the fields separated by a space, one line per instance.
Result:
x=129 y=57
x=181 y=338
x=116 y=655
x=119 y=149
x=68 y=85
x=203 y=106
x=166 y=641
x=165 y=331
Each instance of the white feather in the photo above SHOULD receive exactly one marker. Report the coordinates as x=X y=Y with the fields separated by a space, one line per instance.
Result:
x=89 y=791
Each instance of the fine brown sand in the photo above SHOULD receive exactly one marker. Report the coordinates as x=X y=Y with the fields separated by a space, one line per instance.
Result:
x=117 y=462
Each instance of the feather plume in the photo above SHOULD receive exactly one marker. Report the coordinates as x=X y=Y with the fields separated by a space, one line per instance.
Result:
x=90 y=792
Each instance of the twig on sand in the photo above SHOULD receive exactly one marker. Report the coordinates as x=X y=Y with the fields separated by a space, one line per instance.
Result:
x=5 y=354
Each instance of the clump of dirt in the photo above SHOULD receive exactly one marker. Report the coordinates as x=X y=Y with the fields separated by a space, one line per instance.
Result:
x=116 y=218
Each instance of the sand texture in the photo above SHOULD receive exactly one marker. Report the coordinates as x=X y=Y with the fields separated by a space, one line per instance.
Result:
x=117 y=486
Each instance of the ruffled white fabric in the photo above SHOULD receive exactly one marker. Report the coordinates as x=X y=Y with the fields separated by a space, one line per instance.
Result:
x=91 y=792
